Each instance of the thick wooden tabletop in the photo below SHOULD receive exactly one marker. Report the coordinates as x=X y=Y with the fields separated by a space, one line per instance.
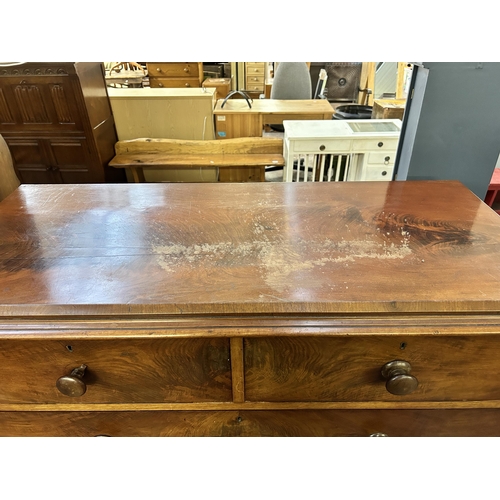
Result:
x=351 y=247
x=275 y=106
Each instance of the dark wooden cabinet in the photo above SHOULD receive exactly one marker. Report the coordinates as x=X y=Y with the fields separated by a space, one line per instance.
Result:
x=57 y=121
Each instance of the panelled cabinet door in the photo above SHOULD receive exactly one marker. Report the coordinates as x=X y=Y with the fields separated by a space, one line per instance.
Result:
x=31 y=161
x=53 y=160
x=70 y=158
x=46 y=104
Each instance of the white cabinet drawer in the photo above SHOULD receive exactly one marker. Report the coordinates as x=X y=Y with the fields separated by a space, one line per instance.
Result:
x=378 y=173
x=382 y=158
x=322 y=146
x=375 y=144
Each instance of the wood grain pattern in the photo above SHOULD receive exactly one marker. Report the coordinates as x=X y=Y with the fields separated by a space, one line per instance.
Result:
x=117 y=371
x=237 y=370
x=348 y=369
x=249 y=145
x=263 y=248
x=303 y=423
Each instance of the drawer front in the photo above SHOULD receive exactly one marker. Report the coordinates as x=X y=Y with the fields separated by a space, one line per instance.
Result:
x=321 y=146
x=118 y=371
x=381 y=158
x=377 y=173
x=255 y=69
x=454 y=368
x=255 y=80
x=270 y=423
x=173 y=82
x=379 y=144
x=181 y=70
x=255 y=87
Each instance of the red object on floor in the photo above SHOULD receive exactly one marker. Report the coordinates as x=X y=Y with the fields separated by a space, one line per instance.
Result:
x=493 y=189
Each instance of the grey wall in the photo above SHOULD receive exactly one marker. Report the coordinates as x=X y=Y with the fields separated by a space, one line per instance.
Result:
x=458 y=130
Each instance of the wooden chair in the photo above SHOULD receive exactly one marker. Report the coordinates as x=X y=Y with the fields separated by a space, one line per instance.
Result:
x=8 y=178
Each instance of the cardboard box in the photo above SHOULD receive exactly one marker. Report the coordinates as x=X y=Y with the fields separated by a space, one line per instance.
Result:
x=388 y=108
x=222 y=86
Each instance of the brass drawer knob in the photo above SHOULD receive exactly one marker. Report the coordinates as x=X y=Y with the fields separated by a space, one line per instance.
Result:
x=72 y=385
x=158 y=69
x=399 y=380
x=188 y=85
x=186 y=70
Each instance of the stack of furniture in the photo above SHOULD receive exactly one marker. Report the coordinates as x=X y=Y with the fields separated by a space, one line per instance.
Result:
x=57 y=121
x=175 y=74
x=168 y=113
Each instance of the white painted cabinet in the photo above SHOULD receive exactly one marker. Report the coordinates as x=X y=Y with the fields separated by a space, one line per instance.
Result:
x=340 y=150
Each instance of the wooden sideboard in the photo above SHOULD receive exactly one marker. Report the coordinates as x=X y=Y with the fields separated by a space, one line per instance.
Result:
x=57 y=121
x=279 y=309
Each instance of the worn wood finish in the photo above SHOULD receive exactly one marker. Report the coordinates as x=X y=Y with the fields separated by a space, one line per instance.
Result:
x=249 y=309
x=249 y=248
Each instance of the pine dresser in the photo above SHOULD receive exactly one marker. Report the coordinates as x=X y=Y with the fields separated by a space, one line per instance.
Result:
x=275 y=309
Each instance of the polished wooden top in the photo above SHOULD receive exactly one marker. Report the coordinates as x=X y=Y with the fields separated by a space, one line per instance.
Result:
x=353 y=247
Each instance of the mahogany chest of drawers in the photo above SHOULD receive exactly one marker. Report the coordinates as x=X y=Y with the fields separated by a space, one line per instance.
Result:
x=279 y=309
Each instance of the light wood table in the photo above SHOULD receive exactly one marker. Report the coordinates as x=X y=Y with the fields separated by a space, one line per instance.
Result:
x=237 y=119
x=256 y=309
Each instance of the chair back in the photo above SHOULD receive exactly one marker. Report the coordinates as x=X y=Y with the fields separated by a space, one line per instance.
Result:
x=292 y=80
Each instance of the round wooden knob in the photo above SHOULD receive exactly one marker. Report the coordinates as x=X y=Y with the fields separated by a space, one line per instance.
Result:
x=188 y=85
x=158 y=69
x=72 y=385
x=186 y=70
x=399 y=380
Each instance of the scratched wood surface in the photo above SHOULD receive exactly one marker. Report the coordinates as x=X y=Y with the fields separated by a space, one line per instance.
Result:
x=301 y=423
x=360 y=247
